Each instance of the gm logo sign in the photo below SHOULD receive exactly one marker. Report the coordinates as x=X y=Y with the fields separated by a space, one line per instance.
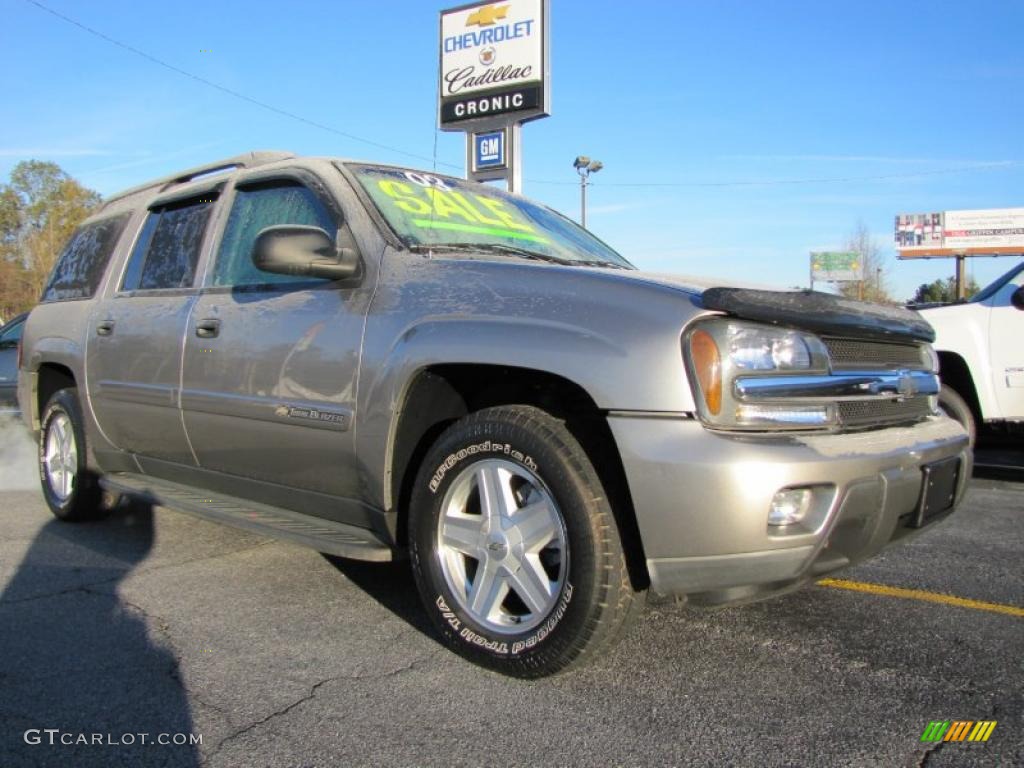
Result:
x=489 y=151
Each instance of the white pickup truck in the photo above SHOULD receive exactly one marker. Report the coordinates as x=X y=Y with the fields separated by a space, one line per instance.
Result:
x=980 y=344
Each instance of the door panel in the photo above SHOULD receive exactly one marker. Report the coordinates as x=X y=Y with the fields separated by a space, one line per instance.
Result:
x=272 y=396
x=271 y=360
x=133 y=373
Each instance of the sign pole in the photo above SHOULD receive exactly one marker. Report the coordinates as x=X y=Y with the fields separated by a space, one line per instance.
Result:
x=961 y=276
x=583 y=201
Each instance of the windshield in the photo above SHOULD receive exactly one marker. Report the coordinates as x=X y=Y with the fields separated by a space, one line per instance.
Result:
x=428 y=211
x=993 y=288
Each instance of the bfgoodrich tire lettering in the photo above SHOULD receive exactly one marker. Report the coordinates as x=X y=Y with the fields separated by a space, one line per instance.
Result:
x=514 y=546
x=69 y=488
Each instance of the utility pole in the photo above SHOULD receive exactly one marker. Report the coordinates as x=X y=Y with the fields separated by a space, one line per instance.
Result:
x=584 y=167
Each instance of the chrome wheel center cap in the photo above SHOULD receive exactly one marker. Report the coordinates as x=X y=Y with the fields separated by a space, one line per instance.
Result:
x=497 y=546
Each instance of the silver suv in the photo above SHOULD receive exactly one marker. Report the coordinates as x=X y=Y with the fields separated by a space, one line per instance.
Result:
x=380 y=362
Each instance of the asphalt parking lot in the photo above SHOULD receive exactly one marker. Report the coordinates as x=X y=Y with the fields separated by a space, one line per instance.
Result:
x=153 y=622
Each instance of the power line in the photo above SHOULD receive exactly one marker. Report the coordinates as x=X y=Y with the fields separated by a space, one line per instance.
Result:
x=234 y=93
x=435 y=162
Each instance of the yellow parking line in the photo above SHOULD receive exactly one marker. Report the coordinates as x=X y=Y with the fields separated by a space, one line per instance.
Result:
x=920 y=594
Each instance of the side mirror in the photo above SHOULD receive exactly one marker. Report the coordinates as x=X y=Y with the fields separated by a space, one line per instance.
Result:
x=1017 y=298
x=290 y=249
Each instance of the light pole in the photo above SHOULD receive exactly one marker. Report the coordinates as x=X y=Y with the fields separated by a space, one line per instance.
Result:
x=584 y=167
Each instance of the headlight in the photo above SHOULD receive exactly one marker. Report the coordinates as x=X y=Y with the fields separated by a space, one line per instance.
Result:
x=720 y=350
x=765 y=349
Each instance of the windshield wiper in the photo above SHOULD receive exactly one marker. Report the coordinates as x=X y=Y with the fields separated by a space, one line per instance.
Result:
x=600 y=263
x=494 y=248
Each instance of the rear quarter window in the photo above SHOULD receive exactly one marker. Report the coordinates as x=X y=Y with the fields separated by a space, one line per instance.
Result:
x=81 y=265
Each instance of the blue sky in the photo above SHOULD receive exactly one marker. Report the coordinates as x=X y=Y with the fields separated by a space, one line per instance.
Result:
x=736 y=136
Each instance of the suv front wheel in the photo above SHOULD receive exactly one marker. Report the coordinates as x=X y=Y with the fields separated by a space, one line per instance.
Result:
x=514 y=545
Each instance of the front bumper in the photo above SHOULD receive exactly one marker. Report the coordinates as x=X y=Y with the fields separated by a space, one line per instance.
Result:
x=702 y=500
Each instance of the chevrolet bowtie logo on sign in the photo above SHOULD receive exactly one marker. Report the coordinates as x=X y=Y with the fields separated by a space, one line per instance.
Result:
x=487 y=15
x=958 y=730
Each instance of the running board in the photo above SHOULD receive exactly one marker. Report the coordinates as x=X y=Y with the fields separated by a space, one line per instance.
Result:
x=326 y=536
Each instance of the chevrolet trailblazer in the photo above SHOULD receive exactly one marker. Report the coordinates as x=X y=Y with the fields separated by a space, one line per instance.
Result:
x=381 y=362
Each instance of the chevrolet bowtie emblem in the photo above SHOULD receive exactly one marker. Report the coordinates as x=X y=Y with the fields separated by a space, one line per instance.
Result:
x=907 y=385
x=487 y=15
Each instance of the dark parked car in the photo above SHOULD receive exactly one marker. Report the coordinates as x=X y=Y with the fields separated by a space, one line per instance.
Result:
x=10 y=335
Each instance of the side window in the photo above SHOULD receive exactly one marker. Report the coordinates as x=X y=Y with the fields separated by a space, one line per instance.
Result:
x=254 y=209
x=80 y=266
x=167 y=250
x=11 y=336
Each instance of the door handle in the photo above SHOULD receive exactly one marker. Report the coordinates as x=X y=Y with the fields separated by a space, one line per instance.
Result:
x=208 y=328
x=104 y=327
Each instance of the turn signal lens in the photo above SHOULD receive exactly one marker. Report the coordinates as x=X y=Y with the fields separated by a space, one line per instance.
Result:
x=707 y=364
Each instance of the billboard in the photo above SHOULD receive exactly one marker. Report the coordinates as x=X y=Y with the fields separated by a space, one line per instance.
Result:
x=836 y=266
x=996 y=228
x=951 y=233
x=494 y=60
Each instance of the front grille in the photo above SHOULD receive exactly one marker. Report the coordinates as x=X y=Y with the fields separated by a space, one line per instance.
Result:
x=853 y=354
x=863 y=413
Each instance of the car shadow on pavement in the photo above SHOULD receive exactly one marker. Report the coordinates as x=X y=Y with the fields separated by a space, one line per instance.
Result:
x=84 y=674
x=390 y=584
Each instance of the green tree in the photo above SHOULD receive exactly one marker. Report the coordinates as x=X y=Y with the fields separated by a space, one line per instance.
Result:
x=942 y=291
x=874 y=286
x=39 y=209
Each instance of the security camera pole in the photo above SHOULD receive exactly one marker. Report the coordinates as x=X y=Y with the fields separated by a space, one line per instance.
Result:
x=584 y=167
x=494 y=76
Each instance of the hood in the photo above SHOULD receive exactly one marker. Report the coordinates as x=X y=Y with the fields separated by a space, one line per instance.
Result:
x=813 y=311
x=687 y=283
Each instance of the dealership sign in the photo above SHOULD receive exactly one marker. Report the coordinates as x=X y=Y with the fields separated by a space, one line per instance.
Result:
x=949 y=233
x=494 y=60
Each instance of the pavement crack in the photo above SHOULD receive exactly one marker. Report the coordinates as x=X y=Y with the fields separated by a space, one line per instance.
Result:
x=275 y=714
x=314 y=689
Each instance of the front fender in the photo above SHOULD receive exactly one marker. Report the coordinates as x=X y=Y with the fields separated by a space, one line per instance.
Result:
x=617 y=340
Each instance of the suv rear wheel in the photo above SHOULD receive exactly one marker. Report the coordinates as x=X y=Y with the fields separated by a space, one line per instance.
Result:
x=514 y=546
x=70 y=490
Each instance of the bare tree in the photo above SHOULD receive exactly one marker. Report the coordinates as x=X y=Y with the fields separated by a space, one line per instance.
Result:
x=875 y=268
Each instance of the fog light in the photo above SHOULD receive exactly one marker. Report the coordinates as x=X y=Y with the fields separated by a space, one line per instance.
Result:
x=789 y=506
x=802 y=416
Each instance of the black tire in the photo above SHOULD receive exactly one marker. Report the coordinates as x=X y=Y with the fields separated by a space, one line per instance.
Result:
x=83 y=500
x=595 y=600
x=957 y=409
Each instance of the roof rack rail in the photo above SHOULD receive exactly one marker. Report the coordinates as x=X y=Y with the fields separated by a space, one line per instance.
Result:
x=244 y=160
